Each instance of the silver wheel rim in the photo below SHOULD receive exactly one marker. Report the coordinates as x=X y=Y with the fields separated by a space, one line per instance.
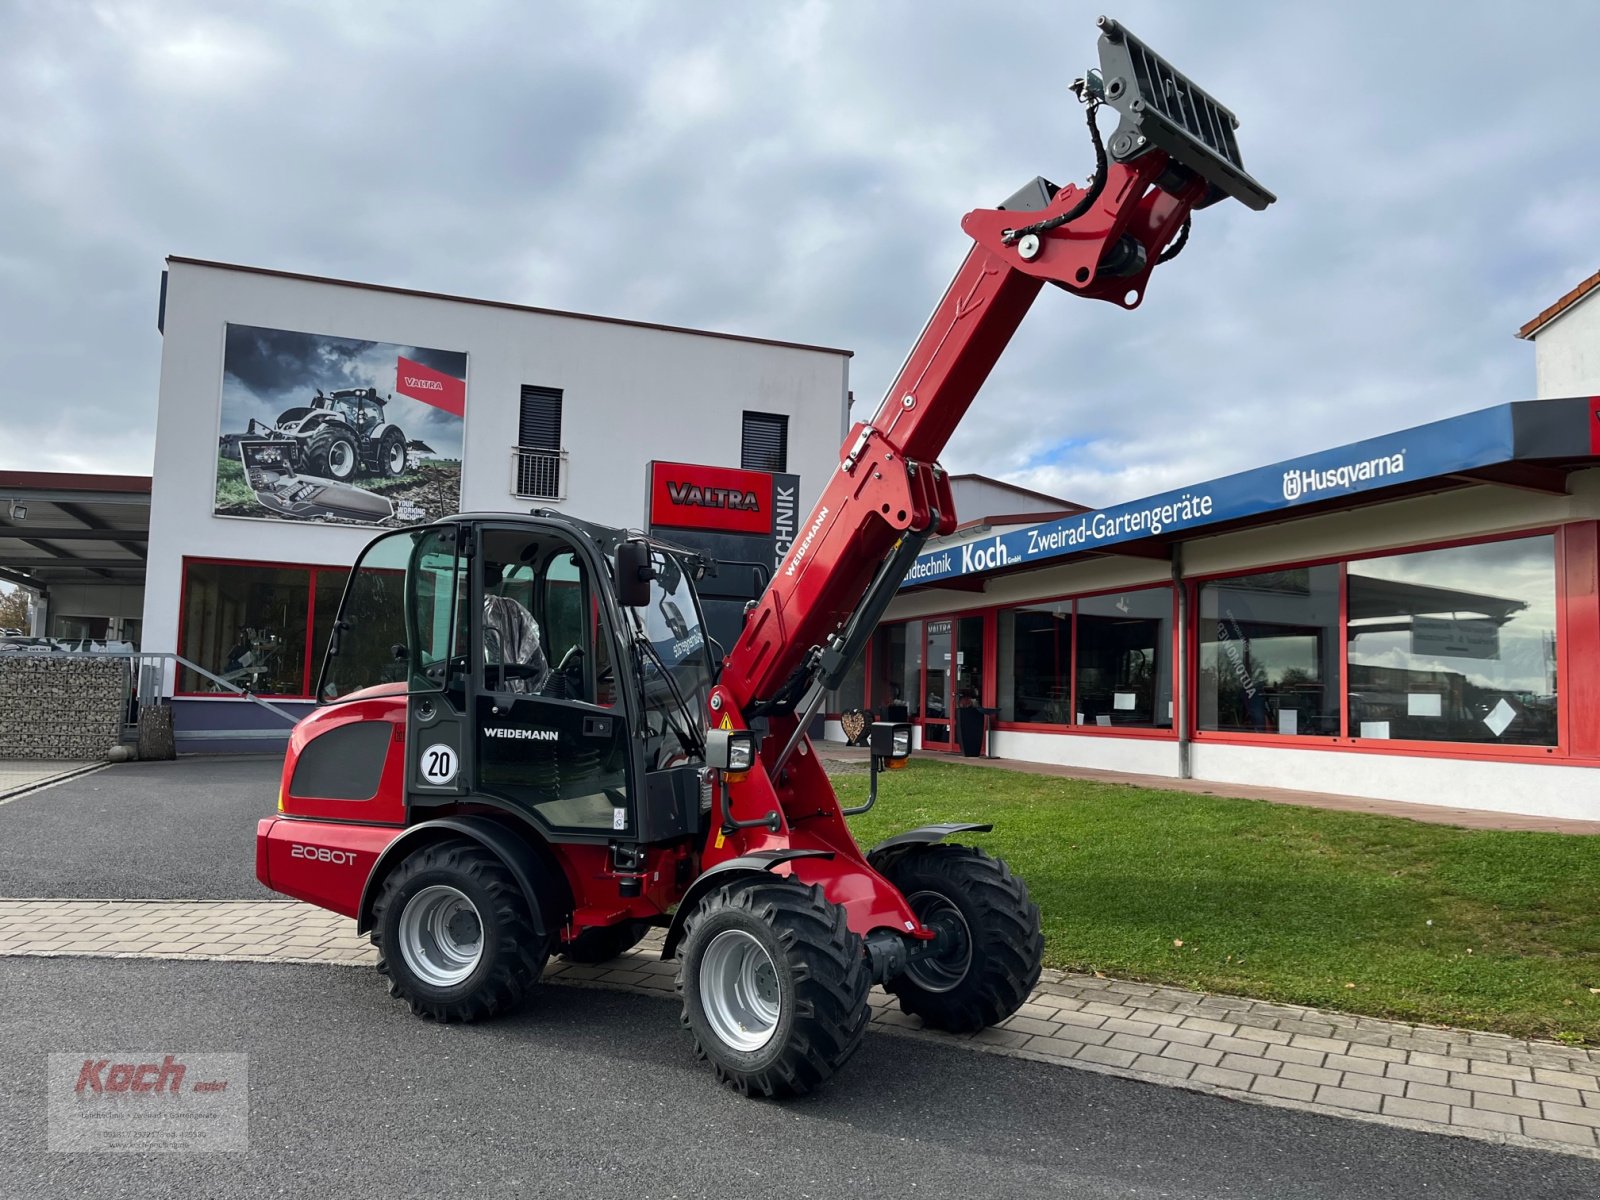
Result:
x=944 y=973
x=441 y=935
x=397 y=458
x=339 y=458
x=739 y=990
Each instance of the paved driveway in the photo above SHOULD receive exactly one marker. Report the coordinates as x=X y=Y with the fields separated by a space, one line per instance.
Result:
x=597 y=1094
x=165 y=830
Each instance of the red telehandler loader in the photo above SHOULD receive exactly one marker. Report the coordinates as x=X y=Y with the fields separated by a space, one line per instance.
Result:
x=525 y=744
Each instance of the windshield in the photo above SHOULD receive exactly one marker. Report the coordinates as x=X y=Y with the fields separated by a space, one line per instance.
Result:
x=673 y=662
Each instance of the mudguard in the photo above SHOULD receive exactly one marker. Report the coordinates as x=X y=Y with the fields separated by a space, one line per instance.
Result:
x=757 y=862
x=886 y=851
x=542 y=883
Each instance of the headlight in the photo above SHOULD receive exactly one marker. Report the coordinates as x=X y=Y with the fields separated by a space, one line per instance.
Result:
x=741 y=751
x=891 y=741
x=732 y=750
x=902 y=741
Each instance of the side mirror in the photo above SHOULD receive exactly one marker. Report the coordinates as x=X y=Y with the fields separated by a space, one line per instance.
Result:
x=633 y=572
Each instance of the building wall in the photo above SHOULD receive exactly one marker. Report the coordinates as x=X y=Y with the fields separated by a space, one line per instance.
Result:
x=1567 y=352
x=1450 y=776
x=631 y=395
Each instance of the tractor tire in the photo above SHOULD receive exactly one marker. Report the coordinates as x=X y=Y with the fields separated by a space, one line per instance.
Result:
x=392 y=453
x=774 y=986
x=603 y=943
x=333 y=456
x=997 y=944
x=454 y=934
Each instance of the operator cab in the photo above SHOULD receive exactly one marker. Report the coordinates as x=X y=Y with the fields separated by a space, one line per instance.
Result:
x=528 y=687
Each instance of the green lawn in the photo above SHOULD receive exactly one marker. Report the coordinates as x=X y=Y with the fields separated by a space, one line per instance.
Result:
x=1428 y=922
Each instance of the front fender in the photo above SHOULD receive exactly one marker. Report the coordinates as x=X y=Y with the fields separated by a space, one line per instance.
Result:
x=759 y=862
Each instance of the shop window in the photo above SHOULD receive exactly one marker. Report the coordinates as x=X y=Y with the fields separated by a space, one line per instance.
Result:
x=896 y=684
x=1455 y=645
x=765 y=442
x=1035 y=657
x=1269 y=653
x=1124 y=659
x=246 y=625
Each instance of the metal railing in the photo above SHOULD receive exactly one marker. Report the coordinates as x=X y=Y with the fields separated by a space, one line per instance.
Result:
x=538 y=474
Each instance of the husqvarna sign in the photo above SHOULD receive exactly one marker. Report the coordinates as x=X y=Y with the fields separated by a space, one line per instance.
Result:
x=1442 y=448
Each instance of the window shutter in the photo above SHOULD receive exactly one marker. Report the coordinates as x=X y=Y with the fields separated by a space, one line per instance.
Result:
x=765 y=445
x=540 y=426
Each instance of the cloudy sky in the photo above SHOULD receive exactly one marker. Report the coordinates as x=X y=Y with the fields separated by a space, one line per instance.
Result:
x=799 y=170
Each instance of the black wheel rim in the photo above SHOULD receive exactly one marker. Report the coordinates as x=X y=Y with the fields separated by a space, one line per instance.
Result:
x=943 y=970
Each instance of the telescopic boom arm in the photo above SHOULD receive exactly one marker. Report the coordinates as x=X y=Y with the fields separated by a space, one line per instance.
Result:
x=1173 y=152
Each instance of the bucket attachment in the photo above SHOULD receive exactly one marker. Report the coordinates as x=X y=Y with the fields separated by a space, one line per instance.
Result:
x=1162 y=109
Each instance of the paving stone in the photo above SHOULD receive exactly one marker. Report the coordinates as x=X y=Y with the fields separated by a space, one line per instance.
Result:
x=1085 y=1019
x=1138 y=1028
x=1031 y=1025
x=1156 y=1065
x=1054 y=1047
x=1477 y=1118
x=1507 y=1104
x=1250 y=1062
x=1108 y=1056
x=1544 y=1091
x=1207 y=1025
x=1558 y=1131
x=1139 y=1045
x=1567 y=1079
x=1305 y=1074
x=1356 y=1066
x=1294 y=1054
x=1188 y=1037
x=1412 y=1074
x=1220 y=1077
x=1439 y=1095
x=1444 y=1062
x=1374 y=1083
x=1417 y=1110
x=1288 y=1088
x=1193 y=1054
x=1237 y=1045
x=1039 y=1012
x=1345 y=1098
x=1502 y=1070
x=1382 y=1053
x=1328 y=1045
x=1572 y=1115
x=1480 y=1083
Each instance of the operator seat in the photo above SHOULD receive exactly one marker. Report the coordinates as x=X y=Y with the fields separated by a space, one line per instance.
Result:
x=511 y=637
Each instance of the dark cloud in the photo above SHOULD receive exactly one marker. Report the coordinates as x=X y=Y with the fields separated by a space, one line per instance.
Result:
x=799 y=171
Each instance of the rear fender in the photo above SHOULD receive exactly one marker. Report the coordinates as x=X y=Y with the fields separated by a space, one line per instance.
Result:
x=886 y=851
x=535 y=869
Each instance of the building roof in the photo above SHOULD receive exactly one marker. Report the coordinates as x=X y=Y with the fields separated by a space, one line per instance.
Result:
x=1560 y=306
x=527 y=308
x=64 y=527
x=1050 y=502
x=1530 y=444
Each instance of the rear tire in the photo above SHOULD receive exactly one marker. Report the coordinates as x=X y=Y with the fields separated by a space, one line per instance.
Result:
x=774 y=986
x=455 y=935
x=603 y=943
x=996 y=943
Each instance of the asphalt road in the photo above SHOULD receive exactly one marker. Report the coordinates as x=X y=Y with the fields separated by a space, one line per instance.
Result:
x=181 y=830
x=596 y=1094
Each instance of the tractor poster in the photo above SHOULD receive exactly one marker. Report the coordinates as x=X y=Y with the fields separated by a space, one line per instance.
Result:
x=338 y=430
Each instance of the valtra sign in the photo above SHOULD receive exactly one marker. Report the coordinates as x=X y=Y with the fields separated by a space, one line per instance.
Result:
x=690 y=496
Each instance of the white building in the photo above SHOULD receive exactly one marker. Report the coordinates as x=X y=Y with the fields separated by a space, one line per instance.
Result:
x=497 y=407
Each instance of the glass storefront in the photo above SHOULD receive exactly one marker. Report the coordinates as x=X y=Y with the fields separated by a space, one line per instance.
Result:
x=1124 y=673
x=1455 y=645
x=260 y=628
x=1269 y=653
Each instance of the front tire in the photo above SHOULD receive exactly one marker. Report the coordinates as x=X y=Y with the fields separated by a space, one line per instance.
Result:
x=455 y=935
x=392 y=453
x=994 y=945
x=774 y=986
x=333 y=456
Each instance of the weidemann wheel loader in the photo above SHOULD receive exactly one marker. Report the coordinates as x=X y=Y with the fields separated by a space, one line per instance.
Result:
x=525 y=745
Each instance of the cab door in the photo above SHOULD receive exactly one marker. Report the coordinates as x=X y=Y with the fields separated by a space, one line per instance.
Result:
x=548 y=735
